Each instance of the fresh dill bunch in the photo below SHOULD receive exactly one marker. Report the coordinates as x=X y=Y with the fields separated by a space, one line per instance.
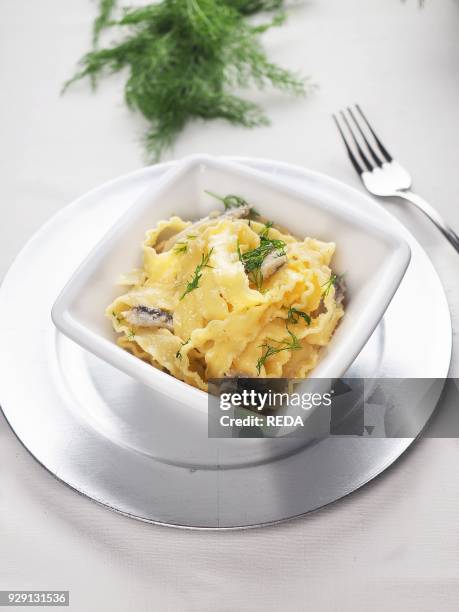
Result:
x=183 y=60
x=245 y=7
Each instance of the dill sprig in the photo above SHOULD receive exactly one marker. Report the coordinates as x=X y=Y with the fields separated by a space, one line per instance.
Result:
x=265 y=231
x=194 y=282
x=253 y=260
x=182 y=247
x=331 y=282
x=229 y=201
x=288 y=344
x=178 y=354
x=294 y=315
x=184 y=59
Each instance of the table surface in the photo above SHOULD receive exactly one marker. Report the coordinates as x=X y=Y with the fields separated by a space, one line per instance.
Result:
x=393 y=544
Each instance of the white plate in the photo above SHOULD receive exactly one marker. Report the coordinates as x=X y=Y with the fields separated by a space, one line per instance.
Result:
x=373 y=256
x=97 y=429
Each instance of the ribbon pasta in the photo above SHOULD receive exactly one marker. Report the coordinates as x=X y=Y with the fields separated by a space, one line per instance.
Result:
x=195 y=312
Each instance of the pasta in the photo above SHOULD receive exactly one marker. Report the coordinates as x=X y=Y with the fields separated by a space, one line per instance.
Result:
x=229 y=295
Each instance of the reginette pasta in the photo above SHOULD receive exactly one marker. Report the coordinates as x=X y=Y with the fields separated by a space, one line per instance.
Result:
x=229 y=295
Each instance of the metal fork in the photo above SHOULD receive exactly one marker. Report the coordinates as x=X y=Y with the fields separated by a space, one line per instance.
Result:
x=379 y=172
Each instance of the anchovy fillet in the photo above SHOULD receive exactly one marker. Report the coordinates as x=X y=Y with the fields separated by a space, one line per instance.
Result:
x=273 y=261
x=144 y=316
x=241 y=212
x=340 y=290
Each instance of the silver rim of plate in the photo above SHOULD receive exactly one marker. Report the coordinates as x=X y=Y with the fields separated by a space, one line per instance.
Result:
x=94 y=428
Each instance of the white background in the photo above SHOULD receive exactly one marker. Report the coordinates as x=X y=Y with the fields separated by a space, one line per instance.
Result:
x=394 y=544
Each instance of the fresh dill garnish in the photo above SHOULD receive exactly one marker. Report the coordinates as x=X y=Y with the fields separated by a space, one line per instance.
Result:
x=184 y=60
x=178 y=354
x=117 y=317
x=234 y=201
x=181 y=247
x=294 y=316
x=253 y=260
x=292 y=344
x=331 y=282
x=229 y=201
x=131 y=335
x=239 y=253
x=267 y=227
x=194 y=282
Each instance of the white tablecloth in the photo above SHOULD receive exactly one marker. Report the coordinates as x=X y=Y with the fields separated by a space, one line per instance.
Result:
x=392 y=545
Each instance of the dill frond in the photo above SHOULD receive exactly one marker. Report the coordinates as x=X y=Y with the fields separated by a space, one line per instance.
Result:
x=229 y=201
x=183 y=60
x=293 y=316
x=181 y=248
x=178 y=354
x=288 y=344
x=194 y=282
x=265 y=230
x=106 y=8
x=331 y=282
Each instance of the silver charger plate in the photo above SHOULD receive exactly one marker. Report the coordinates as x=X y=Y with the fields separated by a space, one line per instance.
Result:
x=98 y=431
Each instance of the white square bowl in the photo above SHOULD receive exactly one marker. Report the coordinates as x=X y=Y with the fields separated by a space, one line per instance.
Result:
x=373 y=258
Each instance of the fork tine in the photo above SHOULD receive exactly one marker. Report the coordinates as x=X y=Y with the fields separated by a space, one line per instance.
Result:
x=388 y=157
x=358 y=168
x=364 y=158
x=373 y=154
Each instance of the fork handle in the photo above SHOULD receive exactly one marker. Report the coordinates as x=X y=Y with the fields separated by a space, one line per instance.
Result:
x=432 y=214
